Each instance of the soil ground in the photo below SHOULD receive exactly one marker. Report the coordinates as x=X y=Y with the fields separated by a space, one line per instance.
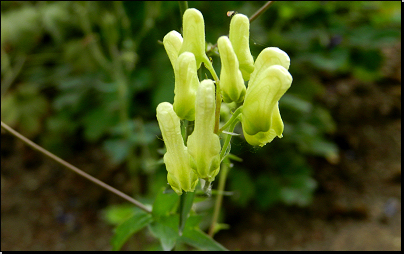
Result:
x=357 y=205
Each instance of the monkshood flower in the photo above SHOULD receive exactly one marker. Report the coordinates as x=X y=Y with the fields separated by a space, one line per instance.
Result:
x=239 y=34
x=204 y=145
x=193 y=29
x=231 y=79
x=262 y=138
x=268 y=57
x=172 y=43
x=186 y=85
x=260 y=115
x=180 y=175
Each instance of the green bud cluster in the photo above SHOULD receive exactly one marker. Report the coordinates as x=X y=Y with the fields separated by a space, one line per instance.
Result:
x=268 y=79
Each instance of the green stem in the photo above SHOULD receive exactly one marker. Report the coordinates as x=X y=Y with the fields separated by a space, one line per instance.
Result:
x=183 y=6
x=227 y=141
x=210 y=68
x=223 y=174
x=220 y=190
x=231 y=120
x=187 y=198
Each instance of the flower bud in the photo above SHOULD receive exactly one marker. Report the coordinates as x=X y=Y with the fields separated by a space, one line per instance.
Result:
x=204 y=145
x=260 y=113
x=172 y=43
x=231 y=79
x=239 y=36
x=193 y=28
x=180 y=175
x=186 y=85
x=268 y=57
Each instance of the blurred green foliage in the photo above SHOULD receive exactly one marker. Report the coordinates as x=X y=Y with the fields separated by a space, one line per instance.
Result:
x=76 y=72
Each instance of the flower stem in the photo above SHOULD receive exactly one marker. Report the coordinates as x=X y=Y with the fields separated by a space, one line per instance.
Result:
x=231 y=120
x=225 y=166
x=228 y=138
x=220 y=190
x=183 y=7
x=210 y=68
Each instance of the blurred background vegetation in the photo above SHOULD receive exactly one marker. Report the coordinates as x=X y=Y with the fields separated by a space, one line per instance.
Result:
x=81 y=74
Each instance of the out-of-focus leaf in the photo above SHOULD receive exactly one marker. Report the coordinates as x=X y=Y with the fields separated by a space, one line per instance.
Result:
x=299 y=191
x=117 y=148
x=97 y=122
x=128 y=228
x=295 y=103
x=117 y=214
x=24 y=107
x=193 y=236
x=242 y=185
x=21 y=28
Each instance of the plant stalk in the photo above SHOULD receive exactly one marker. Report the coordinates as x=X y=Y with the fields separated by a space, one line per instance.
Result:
x=220 y=191
x=75 y=169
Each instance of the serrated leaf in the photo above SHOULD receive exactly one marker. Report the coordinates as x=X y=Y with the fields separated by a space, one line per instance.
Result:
x=128 y=228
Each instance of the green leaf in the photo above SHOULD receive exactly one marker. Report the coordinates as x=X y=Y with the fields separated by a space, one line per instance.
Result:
x=186 y=202
x=166 y=230
x=243 y=187
x=117 y=148
x=97 y=122
x=164 y=203
x=117 y=214
x=128 y=228
x=25 y=107
x=198 y=239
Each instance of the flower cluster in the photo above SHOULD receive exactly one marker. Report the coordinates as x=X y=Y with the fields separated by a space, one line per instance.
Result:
x=268 y=79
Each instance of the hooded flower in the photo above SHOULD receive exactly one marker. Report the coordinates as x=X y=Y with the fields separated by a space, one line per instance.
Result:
x=186 y=85
x=260 y=117
x=239 y=36
x=204 y=145
x=172 y=43
x=231 y=79
x=193 y=28
x=180 y=175
x=268 y=57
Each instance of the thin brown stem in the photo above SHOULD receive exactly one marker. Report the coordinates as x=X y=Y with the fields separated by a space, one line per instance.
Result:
x=254 y=16
x=75 y=169
x=261 y=11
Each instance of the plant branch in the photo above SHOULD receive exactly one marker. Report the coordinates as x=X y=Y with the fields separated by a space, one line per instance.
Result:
x=261 y=11
x=231 y=120
x=227 y=141
x=75 y=169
